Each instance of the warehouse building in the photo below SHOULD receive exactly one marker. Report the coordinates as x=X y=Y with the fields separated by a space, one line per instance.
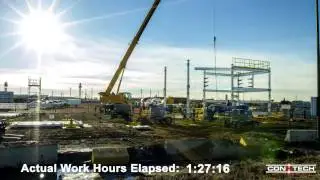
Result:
x=6 y=97
x=301 y=109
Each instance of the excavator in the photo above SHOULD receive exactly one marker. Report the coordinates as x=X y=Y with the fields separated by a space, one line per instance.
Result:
x=119 y=103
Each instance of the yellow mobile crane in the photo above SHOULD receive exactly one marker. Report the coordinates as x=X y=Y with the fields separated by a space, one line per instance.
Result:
x=119 y=102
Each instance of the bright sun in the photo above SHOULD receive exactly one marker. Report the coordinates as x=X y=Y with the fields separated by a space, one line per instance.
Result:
x=42 y=31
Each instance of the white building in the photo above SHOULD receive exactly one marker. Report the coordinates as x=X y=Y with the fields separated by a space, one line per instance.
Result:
x=285 y=107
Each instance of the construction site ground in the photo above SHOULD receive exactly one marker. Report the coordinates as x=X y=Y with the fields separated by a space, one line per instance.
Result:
x=266 y=138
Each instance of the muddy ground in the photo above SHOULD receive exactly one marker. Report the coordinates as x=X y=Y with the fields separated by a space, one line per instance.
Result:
x=266 y=138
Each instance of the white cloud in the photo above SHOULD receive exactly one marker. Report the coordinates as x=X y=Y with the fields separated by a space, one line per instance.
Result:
x=94 y=62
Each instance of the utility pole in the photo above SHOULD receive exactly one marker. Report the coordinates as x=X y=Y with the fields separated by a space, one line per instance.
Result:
x=188 y=89
x=70 y=92
x=318 y=67
x=150 y=93
x=239 y=86
x=205 y=81
x=141 y=94
x=215 y=65
x=165 y=87
x=80 y=87
x=91 y=93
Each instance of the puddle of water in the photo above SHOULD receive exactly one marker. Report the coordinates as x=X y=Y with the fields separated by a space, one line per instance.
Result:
x=189 y=150
x=46 y=124
x=174 y=151
x=91 y=175
x=178 y=152
x=168 y=152
x=10 y=114
x=76 y=176
x=39 y=124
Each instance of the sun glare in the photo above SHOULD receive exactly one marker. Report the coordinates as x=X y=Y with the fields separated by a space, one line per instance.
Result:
x=42 y=31
x=40 y=28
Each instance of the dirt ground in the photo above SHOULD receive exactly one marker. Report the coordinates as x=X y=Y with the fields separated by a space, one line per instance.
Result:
x=106 y=132
x=102 y=131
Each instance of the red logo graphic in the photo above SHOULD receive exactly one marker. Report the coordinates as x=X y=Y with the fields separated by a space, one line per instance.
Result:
x=288 y=168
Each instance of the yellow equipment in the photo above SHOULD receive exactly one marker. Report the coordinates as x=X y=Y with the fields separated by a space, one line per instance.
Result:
x=170 y=100
x=176 y=100
x=124 y=98
x=198 y=114
x=242 y=142
x=146 y=116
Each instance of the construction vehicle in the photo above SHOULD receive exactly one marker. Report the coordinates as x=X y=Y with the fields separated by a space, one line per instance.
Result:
x=176 y=100
x=152 y=111
x=154 y=114
x=170 y=100
x=119 y=103
x=240 y=116
x=198 y=114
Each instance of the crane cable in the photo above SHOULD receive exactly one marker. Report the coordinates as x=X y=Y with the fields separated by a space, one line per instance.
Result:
x=214 y=46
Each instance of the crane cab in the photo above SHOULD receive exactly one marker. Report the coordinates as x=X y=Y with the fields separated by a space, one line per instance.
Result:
x=120 y=98
x=126 y=95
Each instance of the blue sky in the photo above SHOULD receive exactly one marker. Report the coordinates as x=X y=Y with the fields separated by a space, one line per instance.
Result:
x=280 y=30
x=265 y=25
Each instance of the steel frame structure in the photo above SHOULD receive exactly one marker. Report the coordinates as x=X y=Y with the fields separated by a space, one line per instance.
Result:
x=240 y=68
x=34 y=84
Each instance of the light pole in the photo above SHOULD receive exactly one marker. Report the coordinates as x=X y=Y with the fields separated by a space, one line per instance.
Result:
x=318 y=67
x=188 y=89
x=165 y=88
x=205 y=84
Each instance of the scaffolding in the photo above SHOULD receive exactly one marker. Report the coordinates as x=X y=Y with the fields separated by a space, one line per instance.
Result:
x=241 y=68
x=34 y=89
x=34 y=97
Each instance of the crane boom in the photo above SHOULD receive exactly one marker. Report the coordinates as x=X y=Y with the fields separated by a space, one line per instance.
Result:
x=133 y=44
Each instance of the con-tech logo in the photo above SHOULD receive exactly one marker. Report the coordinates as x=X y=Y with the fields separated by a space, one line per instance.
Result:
x=291 y=168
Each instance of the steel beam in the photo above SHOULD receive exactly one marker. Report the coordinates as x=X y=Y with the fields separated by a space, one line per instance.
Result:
x=250 y=73
x=217 y=74
x=219 y=90
x=251 y=89
x=250 y=69
x=228 y=91
x=212 y=69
